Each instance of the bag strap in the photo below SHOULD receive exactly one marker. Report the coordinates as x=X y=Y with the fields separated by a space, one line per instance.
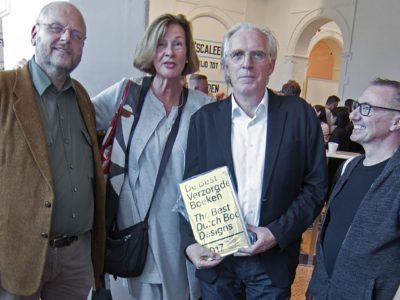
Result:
x=138 y=95
x=108 y=139
x=168 y=149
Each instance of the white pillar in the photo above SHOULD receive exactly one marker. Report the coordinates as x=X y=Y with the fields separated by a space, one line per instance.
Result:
x=295 y=68
x=344 y=75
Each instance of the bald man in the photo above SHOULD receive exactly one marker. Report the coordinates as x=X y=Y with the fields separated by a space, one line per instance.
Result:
x=52 y=221
x=198 y=82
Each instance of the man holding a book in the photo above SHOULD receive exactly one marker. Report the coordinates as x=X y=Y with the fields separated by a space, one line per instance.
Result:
x=274 y=151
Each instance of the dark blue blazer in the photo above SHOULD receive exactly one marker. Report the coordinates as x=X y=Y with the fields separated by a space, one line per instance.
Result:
x=295 y=177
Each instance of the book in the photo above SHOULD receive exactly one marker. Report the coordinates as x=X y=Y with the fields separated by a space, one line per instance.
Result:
x=214 y=213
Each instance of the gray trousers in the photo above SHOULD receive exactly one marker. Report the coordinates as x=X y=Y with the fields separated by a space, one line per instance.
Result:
x=68 y=273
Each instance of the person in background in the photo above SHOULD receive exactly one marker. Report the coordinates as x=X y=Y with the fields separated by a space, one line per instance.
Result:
x=358 y=252
x=341 y=136
x=274 y=150
x=341 y=133
x=198 y=82
x=167 y=52
x=52 y=203
x=331 y=103
x=291 y=88
x=349 y=105
x=320 y=111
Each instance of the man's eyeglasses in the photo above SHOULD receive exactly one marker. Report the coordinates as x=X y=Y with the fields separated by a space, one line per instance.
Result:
x=238 y=56
x=365 y=108
x=60 y=29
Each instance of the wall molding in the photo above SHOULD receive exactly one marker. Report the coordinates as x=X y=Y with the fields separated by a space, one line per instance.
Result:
x=307 y=26
x=211 y=12
x=5 y=8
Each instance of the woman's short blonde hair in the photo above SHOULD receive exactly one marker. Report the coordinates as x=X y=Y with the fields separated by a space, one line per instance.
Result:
x=146 y=49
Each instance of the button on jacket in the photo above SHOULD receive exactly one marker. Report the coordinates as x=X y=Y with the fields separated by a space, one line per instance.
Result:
x=26 y=185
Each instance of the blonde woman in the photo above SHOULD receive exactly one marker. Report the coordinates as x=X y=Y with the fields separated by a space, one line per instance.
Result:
x=166 y=52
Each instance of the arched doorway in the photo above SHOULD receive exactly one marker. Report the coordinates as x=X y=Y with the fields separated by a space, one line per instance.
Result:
x=323 y=66
x=323 y=36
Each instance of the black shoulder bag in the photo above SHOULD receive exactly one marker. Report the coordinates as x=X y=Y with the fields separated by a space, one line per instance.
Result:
x=126 y=249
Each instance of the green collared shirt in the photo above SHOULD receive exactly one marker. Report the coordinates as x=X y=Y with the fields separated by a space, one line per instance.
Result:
x=70 y=154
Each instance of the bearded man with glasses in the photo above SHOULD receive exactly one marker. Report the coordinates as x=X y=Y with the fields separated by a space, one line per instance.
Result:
x=359 y=246
x=52 y=195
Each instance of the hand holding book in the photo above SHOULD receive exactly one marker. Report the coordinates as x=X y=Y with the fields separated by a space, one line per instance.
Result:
x=265 y=240
x=214 y=213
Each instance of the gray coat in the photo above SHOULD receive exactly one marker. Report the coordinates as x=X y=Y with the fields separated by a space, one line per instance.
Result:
x=368 y=263
x=165 y=262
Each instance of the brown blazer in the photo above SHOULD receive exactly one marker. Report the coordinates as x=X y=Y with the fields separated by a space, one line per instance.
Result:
x=26 y=185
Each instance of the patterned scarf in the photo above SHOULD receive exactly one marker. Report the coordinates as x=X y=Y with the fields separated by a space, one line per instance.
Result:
x=125 y=127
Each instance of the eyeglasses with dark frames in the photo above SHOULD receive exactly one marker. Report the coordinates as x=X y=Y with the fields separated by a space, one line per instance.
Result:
x=57 y=28
x=365 y=108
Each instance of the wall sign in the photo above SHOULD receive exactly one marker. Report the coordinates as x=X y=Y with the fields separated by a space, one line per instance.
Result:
x=209 y=53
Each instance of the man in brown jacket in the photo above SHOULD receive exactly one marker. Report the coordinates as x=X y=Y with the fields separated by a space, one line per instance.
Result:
x=52 y=198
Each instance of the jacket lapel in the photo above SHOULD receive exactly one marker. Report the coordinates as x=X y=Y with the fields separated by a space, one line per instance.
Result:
x=337 y=188
x=223 y=122
x=28 y=117
x=276 y=124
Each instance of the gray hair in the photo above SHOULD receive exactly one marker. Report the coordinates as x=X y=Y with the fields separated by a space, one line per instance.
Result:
x=395 y=85
x=272 y=44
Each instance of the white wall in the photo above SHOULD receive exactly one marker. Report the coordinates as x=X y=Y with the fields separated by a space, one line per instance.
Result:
x=113 y=29
x=18 y=20
x=375 y=45
x=318 y=90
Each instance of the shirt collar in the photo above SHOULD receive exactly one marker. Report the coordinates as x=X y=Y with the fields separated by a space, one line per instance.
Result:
x=41 y=81
x=238 y=111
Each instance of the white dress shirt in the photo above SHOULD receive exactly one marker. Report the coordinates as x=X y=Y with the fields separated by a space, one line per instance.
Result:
x=248 y=137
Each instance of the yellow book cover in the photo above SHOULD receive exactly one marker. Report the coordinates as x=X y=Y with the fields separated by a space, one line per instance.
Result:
x=214 y=213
